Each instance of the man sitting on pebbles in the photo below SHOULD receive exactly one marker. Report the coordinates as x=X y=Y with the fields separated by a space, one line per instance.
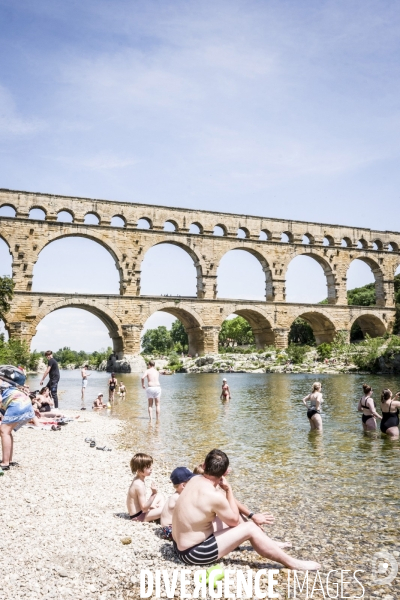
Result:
x=200 y=504
x=98 y=402
x=139 y=508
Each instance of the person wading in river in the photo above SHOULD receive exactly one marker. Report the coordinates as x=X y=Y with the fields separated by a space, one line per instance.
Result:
x=200 y=503
x=314 y=410
x=366 y=405
x=112 y=386
x=153 y=390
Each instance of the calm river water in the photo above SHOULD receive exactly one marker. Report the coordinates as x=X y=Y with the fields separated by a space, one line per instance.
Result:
x=336 y=495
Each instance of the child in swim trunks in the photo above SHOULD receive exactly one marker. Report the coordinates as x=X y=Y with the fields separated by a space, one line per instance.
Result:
x=179 y=477
x=139 y=508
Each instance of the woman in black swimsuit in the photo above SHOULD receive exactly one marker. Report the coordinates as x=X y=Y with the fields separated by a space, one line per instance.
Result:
x=390 y=417
x=366 y=405
x=112 y=386
x=314 y=408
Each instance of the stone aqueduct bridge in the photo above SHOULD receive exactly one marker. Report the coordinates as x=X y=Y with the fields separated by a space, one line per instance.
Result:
x=202 y=316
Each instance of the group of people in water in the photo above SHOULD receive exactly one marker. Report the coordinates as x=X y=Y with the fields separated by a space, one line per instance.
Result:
x=389 y=419
x=202 y=518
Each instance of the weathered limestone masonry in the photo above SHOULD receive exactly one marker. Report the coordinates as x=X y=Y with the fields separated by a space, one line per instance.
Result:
x=334 y=247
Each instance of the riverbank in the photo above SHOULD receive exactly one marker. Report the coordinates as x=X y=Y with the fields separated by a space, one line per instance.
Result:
x=61 y=539
x=60 y=534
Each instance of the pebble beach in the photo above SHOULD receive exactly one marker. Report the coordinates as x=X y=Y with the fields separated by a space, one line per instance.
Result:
x=65 y=533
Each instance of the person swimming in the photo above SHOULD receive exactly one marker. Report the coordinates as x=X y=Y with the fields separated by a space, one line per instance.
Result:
x=366 y=405
x=314 y=408
x=390 y=418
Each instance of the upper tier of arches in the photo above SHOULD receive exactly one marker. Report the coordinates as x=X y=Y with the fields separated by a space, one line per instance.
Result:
x=112 y=214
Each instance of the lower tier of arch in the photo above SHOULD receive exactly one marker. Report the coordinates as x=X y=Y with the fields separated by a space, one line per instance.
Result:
x=125 y=317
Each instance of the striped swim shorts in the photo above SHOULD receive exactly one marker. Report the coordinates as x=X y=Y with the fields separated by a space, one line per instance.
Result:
x=201 y=554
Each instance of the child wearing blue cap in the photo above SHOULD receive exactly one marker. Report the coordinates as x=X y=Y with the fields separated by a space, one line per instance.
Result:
x=179 y=478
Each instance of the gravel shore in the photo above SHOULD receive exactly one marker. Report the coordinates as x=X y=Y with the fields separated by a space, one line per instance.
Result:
x=61 y=536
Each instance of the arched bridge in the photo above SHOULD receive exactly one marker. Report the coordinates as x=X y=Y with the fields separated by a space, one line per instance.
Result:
x=206 y=236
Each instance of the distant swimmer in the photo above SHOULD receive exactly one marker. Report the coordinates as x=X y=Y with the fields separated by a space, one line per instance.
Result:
x=226 y=393
x=314 y=408
x=390 y=417
x=366 y=405
x=153 y=390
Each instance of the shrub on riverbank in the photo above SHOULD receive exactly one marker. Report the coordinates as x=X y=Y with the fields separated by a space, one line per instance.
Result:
x=15 y=352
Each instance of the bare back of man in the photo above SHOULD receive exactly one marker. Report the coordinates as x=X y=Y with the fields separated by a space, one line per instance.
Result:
x=192 y=527
x=153 y=390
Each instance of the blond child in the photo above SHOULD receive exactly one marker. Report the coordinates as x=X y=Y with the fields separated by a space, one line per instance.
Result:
x=139 y=508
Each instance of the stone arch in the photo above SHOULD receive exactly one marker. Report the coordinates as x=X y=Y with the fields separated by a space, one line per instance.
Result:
x=377 y=245
x=147 y=219
x=330 y=241
x=223 y=229
x=92 y=213
x=9 y=205
x=115 y=253
x=308 y=239
x=121 y=217
x=68 y=212
x=199 y=227
x=261 y=326
x=393 y=247
x=378 y=276
x=269 y=288
x=326 y=267
x=193 y=255
x=106 y=316
x=192 y=322
x=173 y=223
x=370 y=325
x=38 y=207
x=243 y=233
x=323 y=328
x=288 y=235
x=7 y=244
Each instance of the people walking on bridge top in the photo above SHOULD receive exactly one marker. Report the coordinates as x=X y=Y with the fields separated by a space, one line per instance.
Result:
x=54 y=376
x=153 y=390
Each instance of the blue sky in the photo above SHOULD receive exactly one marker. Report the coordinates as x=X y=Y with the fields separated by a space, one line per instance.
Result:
x=285 y=109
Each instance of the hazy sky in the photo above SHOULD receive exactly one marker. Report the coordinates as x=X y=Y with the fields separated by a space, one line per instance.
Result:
x=284 y=109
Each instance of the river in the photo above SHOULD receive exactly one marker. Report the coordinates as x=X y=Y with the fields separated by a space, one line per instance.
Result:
x=337 y=493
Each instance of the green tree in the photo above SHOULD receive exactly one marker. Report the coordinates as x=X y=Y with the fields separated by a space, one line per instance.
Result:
x=179 y=335
x=301 y=333
x=6 y=295
x=157 y=341
x=362 y=296
x=236 y=330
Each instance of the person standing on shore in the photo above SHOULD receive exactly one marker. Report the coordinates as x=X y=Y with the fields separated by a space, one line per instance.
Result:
x=54 y=376
x=313 y=411
x=85 y=376
x=153 y=390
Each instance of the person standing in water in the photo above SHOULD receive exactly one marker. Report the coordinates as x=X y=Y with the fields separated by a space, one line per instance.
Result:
x=153 y=390
x=85 y=376
x=366 y=405
x=314 y=408
x=226 y=393
x=112 y=386
x=390 y=417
